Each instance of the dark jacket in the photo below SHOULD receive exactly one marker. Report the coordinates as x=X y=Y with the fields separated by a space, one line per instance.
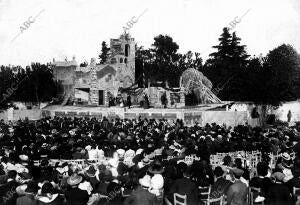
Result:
x=185 y=186
x=8 y=193
x=261 y=182
x=140 y=196
x=76 y=196
x=278 y=194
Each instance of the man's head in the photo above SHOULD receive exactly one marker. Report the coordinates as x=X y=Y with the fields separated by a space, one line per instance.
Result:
x=12 y=174
x=262 y=169
x=218 y=171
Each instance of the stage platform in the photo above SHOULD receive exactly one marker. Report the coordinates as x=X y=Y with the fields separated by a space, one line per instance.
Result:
x=201 y=114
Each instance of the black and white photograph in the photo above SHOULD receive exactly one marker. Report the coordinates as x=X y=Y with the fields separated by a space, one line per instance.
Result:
x=149 y=102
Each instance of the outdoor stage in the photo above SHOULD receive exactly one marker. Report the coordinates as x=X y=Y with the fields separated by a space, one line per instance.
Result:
x=202 y=114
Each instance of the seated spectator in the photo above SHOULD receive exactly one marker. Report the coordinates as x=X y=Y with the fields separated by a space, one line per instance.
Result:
x=221 y=185
x=278 y=193
x=185 y=186
x=295 y=181
x=141 y=195
x=237 y=192
x=74 y=195
x=30 y=192
x=49 y=196
x=8 y=193
x=261 y=181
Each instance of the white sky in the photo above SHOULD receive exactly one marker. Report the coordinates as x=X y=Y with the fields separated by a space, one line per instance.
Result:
x=77 y=27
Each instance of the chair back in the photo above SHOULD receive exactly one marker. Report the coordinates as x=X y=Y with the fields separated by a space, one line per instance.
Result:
x=180 y=199
x=204 y=193
x=296 y=191
x=214 y=201
x=251 y=198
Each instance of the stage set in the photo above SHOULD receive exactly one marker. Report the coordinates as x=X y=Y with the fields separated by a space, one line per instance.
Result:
x=98 y=90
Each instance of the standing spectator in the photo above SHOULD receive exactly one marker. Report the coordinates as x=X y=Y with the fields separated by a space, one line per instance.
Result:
x=289 y=116
x=129 y=101
x=237 y=192
x=164 y=100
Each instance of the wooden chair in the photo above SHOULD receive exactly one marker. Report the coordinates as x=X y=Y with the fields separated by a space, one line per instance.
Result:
x=251 y=196
x=181 y=201
x=214 y=201
x=296 y=190
x=204 y=191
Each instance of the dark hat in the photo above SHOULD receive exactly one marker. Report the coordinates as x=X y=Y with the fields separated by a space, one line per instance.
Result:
x=218 y=171
x=91 y=171
x=32 y=187
x=48 y=188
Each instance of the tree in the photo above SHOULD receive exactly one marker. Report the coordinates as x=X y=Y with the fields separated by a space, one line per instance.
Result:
x=104 y=53
x=283 y=63
x=227 y=65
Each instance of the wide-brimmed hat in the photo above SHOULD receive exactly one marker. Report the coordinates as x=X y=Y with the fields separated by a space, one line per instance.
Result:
x=145 y=181
x=75 y=179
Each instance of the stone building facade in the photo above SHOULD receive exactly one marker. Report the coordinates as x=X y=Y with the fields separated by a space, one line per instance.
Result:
x=94 y=83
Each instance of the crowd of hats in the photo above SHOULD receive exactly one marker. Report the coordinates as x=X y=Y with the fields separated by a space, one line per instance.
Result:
x=131 y=150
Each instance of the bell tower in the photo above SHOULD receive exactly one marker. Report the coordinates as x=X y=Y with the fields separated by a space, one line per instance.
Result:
x=123 y=54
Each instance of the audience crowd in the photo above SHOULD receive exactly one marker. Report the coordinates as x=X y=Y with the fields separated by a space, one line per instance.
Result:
x=141 y=162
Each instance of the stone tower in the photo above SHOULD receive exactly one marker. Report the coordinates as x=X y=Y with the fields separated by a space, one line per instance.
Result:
x=123 y=55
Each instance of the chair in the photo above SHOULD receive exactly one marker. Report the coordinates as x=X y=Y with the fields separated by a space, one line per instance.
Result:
x=214 y=201
x=182 y=199
x=251 y=195
x=296 y=190
x=204 y=191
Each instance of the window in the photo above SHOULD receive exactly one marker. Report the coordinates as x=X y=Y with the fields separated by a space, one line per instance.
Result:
x=127 y=50
x=121 y=60
x=125 y=61
x=113 y=61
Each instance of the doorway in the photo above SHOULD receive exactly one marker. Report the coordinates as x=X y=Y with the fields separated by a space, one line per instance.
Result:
x=101 y=97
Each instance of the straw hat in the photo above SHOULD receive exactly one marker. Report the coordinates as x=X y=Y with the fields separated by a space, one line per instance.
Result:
x=75 y=179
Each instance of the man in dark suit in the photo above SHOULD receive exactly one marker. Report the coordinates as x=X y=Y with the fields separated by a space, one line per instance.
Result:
x=185 y=186
x=261 y=181
x=221 y=184
x=237 y=192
